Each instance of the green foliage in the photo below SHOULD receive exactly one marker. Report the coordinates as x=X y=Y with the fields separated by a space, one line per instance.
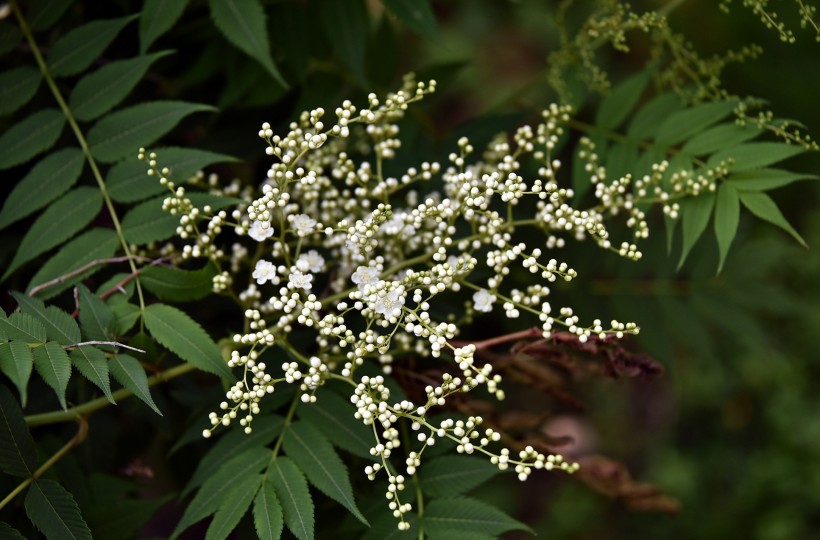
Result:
x=32 y=136
x=267 y=513
x=464 y=517
x=129 y=373
x=448 y=476
x=17 y=454
x=54 y=511
x=291 y=490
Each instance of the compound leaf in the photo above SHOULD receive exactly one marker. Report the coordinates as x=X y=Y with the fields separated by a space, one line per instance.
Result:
x=157 y=17
x=233 y=507
x=683 y=124
x=35 y=134
x=16 y=362
x=765 y=179
x=59 y=325
x=755 y=155
x=762 y=206
x=128 y=371
x=75 y=51
x=24 y=327
x=148 y=222
x=267 y=513
x=54 y=511
x=620 y=101
x=333 y=416
x=695 y=213
x=54 y=367
x=447 y=476
x=445 y=518
x=292 y=491
x=717 y=137
x=91 y=362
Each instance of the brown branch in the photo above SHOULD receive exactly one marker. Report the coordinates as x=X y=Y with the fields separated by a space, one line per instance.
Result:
x=506 y=338
x=80 y=270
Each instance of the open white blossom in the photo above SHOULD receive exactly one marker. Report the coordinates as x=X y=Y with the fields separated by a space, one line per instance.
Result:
x=264 y=271
x=311 y=261
x=303 y=224
x=260 y=231
x=364 y=276
x=483 y=301
x=298 y=280
x=390 y=303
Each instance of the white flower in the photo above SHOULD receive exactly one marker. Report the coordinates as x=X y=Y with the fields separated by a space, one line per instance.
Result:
x=364 y=276
x=259 y=231
x=303 y=224
x=390 y=303
x=298 y=280
x=397 y=225
x=483 y=301
x=310 y=261
x=264 y=271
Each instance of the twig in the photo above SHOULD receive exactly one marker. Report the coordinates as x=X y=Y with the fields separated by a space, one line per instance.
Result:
x=492 y=342
x=120 y=286
x=111 y=343
x=80 y=270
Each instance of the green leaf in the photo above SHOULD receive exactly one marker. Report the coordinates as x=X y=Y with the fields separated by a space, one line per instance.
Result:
x=75 y=51
x=35 y=134
x=54 y=511
x=763 y=207
x=267 y=513
x=95 y=315
x=24 y=327
x=10 y=37
x=695 y=213
x=265 y=429
x=755 y=155
x=148 y=222
x=50 y=178
x=53 y=365
x=447 y=476
x=238 y=468
x=92 y=245
x=98 y=92
x=18 y=456
x=765 y=179
x=17 y=87
x=233 y=507
x=620 y=101
x=320 y=463
x=178 y=285
x=185 y=338
x=125 y=316
x=127 y=181
x=92 y=364
x=722 y=136
x=216 y=202
x=157 y=17
x=16 y=361
x=333 y=416
x=646 y=121
x=128 y=371
x=683 y=124
x=444 y=518
x=7 y=532
x=292 y=491
x=727 y=216
x=42 y=14
x=242 y=22
x=60 y=326
x=59 y=222
x=417 y=15
x=121 y=133
x=347 y=26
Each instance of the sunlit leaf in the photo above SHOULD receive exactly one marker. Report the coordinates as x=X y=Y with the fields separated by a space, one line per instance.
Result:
x=75 y=51
x=35 y=134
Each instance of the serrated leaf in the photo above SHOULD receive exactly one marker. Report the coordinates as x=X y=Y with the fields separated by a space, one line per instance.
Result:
x=233 y=507
x=292 y=491
x=315 y=456
x=333 y=416
x=24 y=327
x=129 y=373
x=7 y=532
x=695 y=213
x=185 y=338
x=121 y=133
x=17 y=87
x=240 y=466
x=93 y=365
x=16 y=362
x=727 y=216
x=242 y=22
x=765 y=179
x=59 y=325
x=347 y=26
x=265 y=429
x=59 y=222
x=95 y=315
x=53 y=365
x=446 y=517
x=44 y=13
x=683 y=124
x=35 y=134
x=92 y=245
x=717 y=137
x=763 y=207
x=178 y=285
x=157 y=17
x=148 y=222
x=620 y=101
x=48 y=179
x=125 y=316
x=447 y=476
x=755 y=155
x=98 y=92
x=54 y=511
x=417 y=15
x=646 y=121
x=127 y=181
x=18 y=456
x=75 y=51
x=267 y=513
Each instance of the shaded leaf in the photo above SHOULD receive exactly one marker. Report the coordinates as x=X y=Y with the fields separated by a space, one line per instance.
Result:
x=24 y=327
x=755 y=155
x=444 y=518
x=95 y=315
x=763 y=207
x=35 y=134
x=54 y=511
x=683 y=124
x=16 y=362
x=157 y=17
x=148 y=222
x=347 y=26
x=17 y=87
x=93 y=365
x=620 y=101
x=695 y=213
x=121 y=133
x=333 y=416
x=7 y=532
x=98 y=92
x=59 y=325
x=447 y=476
x=267 y=513
x=75 y=51
x=128 y=371
x=125 y=316
x=48 y=179
x=727 y=216
x=242 y=22
x=417 y=15
x=765 y=179
x=185 y=338
x=178 y=285
x=233 y=507
x=646 y=121
x=10 y=37
x=53 y=365
x=292 y=491
x=18 y=456
x=42 y=14
x=717 y=137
